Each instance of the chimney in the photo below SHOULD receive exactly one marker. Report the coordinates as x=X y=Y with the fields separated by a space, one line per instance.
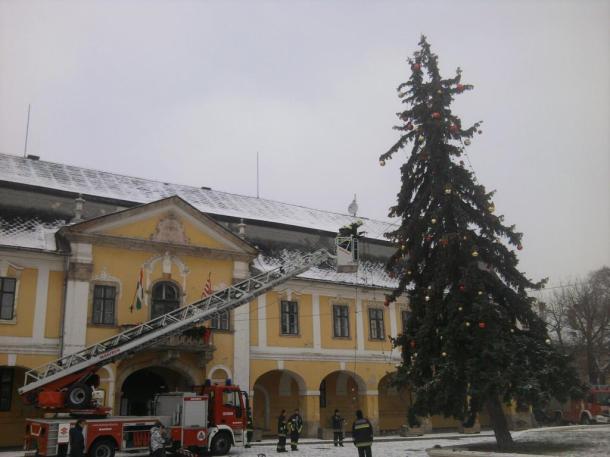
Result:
x=241 y=229
x=78 y=209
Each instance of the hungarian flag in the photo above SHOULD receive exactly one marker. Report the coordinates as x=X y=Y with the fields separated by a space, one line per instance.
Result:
x=139 y=299
x=207 y=288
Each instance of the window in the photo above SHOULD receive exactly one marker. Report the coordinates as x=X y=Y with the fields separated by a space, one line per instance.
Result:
x=290 y=317
x=7 y=298
x=220 y=321
x=377 y=331
x=341 y=321
x=6 y=388
x=165 y=298
x=103 y=305
x=406 y=315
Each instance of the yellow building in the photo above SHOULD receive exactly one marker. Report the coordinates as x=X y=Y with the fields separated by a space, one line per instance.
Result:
x=75 y=242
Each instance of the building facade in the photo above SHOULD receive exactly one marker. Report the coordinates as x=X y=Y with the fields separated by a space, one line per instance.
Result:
x=75 y=245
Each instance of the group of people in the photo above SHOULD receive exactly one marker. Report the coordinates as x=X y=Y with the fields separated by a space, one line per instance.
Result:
x=362 y=431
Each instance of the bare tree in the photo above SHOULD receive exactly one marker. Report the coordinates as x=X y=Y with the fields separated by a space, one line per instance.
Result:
x=579 y=317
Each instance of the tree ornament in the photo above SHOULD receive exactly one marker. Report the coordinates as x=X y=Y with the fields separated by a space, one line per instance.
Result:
x=480 y=292
x=444 y=354
x=467 y=324
x=403 y=247
x=421 y=138
x=433 y=221
x=547 y=341
x=492 y=208
x=462 y=162
x=382 y=163
x=409 y=272
x=409 y=126
x=429 y=287
x=447 y=190
x=462 y=287
x=482 y=325
x=428 y=237
x=436 y=115
x=467 y=141
x=512 y=330
x=444 y=242
x=460 y=88
x=412 y=343
x=519 y=246
x=416 y=67
x=460 y=308
x=439 y=92
x=427 y=298
x=454 y=128
x=475 y=253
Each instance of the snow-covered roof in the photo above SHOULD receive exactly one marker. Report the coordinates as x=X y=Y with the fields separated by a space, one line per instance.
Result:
x=29 y=233
x=110 y=185
x=370 y=274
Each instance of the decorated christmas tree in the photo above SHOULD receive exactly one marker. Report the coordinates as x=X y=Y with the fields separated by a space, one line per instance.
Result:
x=472 y=342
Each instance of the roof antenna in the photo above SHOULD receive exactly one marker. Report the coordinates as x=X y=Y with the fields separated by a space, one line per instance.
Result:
x=27 y=131
x=353 y=207
x=257 y=193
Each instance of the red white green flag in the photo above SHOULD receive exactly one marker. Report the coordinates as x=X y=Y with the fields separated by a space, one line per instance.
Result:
x=139 y=300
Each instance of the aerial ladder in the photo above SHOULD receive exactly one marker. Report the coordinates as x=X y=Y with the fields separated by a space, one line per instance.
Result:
x=68 y=382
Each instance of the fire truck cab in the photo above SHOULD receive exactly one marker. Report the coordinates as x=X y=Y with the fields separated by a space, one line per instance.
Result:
x=212 y=419
x=594 y=408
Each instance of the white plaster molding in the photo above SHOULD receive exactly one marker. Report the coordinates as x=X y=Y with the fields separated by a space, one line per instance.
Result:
x=317 y=327
x=393 y=325
x=32 y=260
x=280 y=364
x=372 y=392
x=311 y=393
x=75 y=316
x=224 y=368
x=342 y=365
x=167 y=259
x=40 y=306
x=262 y=321
x=241 y=346
x=27 y=345
x=280 y=354
x=241 y=270
x=11 y=360
x=103 y=275
x=359 y=325
x=82 y=252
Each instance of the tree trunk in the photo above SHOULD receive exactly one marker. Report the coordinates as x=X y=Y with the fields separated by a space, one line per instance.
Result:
x=591 y=364
x=499 y=424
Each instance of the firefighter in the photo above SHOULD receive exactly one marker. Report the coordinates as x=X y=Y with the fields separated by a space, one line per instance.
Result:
x=282 y=429
x=362 y=433
x=337 y=424
x=157 y=440
x=249 y=428
x=295 y=426
x=77 y=439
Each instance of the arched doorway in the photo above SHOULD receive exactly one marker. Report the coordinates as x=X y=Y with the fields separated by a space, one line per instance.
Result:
x=274 y=391
x=394 y=403
x=140 y=387
x=165 y=298
x=340 y=390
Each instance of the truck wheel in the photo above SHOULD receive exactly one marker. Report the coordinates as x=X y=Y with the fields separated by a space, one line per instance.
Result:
x=102 y=448
x=584 y=419
x=221 y=444
x=79 y=396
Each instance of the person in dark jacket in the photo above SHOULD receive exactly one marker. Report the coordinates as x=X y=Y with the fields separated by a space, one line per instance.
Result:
x=282 y=429
x=77 y=439
x=249 y=428
x=362 y=433
x=295 y=426
x=337 y=424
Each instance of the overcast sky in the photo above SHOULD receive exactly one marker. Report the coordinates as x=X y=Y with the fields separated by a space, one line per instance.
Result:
x=189 y=91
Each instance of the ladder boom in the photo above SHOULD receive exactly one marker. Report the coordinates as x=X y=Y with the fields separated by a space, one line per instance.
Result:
x=144 y=335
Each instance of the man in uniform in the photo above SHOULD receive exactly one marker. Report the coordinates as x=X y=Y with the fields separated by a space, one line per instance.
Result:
x=337 y=424
x=295 y=426
x=282 y=429
x=362 y=433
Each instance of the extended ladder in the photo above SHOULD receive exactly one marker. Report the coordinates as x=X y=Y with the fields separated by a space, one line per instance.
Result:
x=176 y=321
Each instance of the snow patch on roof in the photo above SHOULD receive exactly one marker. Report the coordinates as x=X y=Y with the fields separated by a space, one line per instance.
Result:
x=109 y=185
x=29 y=233
x=370 y=274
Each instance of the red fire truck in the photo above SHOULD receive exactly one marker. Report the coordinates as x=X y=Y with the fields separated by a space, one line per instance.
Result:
x=595 y=408
x=209 y=421
x=211 y=418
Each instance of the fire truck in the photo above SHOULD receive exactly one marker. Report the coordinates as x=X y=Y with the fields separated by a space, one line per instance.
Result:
x=594 y=408
x=211 y=418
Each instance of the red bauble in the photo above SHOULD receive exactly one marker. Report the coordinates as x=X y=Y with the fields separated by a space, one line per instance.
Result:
x=482 y=325
x=460 y=87
x=409 y=126
x=416 y=67
x=391 y=274
x=412 y=343
x=436 y=115
x=519 y=246
x=454 y=128
x=428 y=237
x=386 y=302
x=462 y=288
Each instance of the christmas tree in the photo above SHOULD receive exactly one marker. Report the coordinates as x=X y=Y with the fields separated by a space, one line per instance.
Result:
x=472 y=342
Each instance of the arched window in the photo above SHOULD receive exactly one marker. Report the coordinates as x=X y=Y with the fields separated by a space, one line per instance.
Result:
x=165 y=298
